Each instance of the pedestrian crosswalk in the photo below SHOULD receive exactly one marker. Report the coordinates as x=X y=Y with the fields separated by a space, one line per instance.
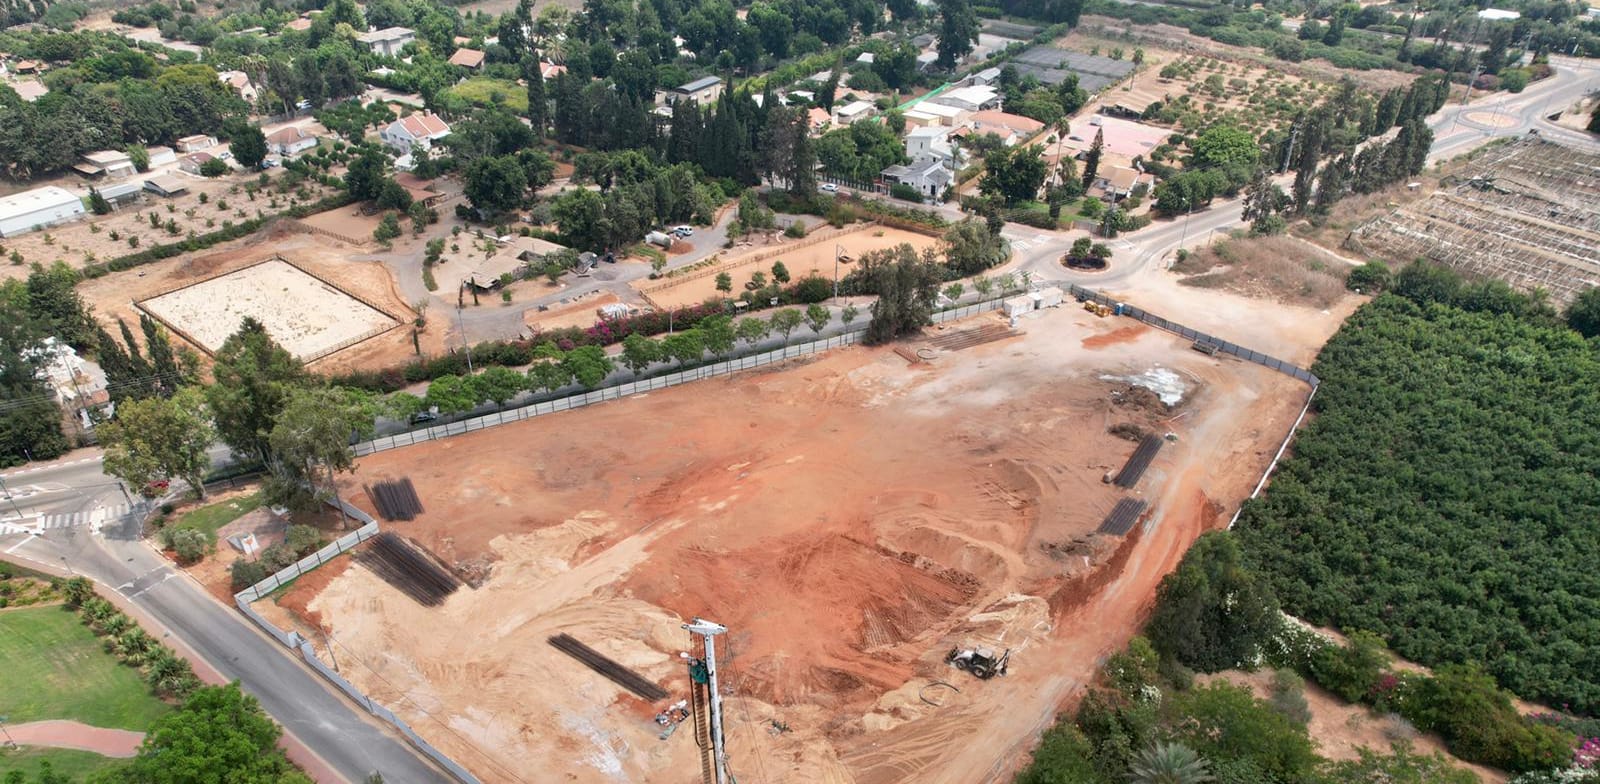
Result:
x=90 y=517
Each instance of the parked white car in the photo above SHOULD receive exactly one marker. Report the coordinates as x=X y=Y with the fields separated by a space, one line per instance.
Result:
x=830 y=187
x=683 y=231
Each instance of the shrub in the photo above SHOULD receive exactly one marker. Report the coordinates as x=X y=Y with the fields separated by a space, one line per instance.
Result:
x=276 y=557
x=811 y=289
x=187 y=543
x=795 y=230
x=1350 y=671
x=246 y=573
x=1370 y=278
x=302 y=540
x=905 y=192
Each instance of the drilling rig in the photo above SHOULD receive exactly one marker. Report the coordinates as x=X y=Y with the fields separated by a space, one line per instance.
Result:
x=706 y=700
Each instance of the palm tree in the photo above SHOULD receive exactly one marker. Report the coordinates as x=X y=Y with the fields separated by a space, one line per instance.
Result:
x=167 y=673
x=134 y=645
x=1168 y=763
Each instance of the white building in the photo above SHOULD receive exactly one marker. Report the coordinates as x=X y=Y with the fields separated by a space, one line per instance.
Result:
x=388 y=41
x=927 y=113
x=161 y=156
x=78 y=383
x=114 y=164
x=197 y=142
x=705 y=90
x=239 y=83
x=40 y=207
x=932 y=142
x=414 y=131
x=973 y=98
x=930 y=176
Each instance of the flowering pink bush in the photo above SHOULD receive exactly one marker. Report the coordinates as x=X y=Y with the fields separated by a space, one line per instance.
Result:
x=1588 y=754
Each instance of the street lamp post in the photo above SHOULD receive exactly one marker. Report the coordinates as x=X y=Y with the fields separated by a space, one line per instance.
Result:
x=462 y=325
x=837 y=249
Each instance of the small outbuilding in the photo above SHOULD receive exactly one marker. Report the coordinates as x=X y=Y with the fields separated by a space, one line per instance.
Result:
x=1018 y=305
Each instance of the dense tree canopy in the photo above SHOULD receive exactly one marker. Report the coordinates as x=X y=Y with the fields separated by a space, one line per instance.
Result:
x=1445 y=495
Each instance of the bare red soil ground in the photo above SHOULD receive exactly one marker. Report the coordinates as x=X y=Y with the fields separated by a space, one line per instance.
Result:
x=850 y=519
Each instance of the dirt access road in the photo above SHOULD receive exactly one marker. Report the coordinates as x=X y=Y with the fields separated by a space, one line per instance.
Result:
x=850 y=519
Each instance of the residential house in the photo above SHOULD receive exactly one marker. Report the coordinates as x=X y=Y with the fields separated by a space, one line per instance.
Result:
x=197 y=142
x=551 y=70
x=239 y=83
x=818 y=119
x=414 y=131
x=79 y=384
x=867 y=57
x=1119 y=181
x=388 y=41
x=930 y=176
x=854 y=112
x=972 y=98
x=705 y=90
x=927 y=60
x=112 y=164
x=467 y=58
x=933 y=142
x=192 y=162
x=534 y=249
x=1013 y=129
x=291 y=140
x=37 y=208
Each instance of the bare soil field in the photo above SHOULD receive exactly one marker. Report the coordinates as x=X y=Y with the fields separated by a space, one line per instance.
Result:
x=1283 y=268
x=113 y=295
x=815 y=258
x=307 y=316
x=104 y=237
x=348 y=222
x=850 y=518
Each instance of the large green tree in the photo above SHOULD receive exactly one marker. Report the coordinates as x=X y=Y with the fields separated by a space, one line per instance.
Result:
x=248 y=145
x=969 y=248
x=958 y=31
x=1014 y=174
x=254 y=379
x=1212 y=613
x=220 y=734
x=160 y=439
x=496 y=184
x=906 y=283
x=311 y=443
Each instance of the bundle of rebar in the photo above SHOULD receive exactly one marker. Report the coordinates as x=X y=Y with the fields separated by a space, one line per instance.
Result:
x=1139 y=461
x=614 y=672
x=396 y=500
x=406 y=567
x=1122 y=517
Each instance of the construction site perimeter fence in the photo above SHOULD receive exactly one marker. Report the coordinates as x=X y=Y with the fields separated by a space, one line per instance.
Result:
x=1222 y=346
x=294 y=642
x=641 y=386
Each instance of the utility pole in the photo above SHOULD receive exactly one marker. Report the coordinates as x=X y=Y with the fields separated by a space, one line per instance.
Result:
x=837 y=249
x=462 y=325
x=709 y=631
x=1288 y=155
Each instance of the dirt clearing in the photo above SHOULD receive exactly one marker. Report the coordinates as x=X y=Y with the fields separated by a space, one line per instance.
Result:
x=849 y=518
x=802 y=259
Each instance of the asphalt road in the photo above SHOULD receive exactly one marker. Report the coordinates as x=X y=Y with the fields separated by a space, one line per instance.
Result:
x=342 y=735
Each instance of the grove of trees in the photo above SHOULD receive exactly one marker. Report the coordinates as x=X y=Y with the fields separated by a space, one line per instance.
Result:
x=1444 y=496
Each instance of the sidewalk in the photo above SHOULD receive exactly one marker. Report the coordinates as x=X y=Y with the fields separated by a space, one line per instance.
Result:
x=60 y=734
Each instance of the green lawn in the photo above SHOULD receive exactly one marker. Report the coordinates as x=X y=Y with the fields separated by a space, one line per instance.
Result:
x=67 y=763
x=55 y=668
x=481 y=91
x=210 y=518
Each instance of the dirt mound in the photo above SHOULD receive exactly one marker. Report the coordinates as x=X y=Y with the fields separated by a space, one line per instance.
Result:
x=1138 y=398
x=1127 y=431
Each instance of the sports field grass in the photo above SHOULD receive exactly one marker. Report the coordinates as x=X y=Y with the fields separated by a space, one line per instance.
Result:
x=69 y=764
x=55 y=668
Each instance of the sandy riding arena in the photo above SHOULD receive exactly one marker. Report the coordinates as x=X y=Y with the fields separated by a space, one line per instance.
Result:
x=307 y=316
x=850 y=519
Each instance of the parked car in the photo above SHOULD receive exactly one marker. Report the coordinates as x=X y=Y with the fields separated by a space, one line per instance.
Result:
x=683 y=231
x=829 y=187
x=423 y=416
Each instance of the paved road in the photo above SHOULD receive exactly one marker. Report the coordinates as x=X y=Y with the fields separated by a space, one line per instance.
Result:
x=1458 y=129
x=342 y=735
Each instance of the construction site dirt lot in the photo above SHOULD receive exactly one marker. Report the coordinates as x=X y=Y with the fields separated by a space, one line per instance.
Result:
x=850 y=518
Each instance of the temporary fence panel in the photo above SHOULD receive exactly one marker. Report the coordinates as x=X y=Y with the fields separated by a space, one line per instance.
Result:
x=312 y=561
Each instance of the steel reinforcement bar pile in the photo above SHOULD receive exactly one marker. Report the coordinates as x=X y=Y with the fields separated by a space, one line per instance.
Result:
x=1139 y=461
x=599 y=662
